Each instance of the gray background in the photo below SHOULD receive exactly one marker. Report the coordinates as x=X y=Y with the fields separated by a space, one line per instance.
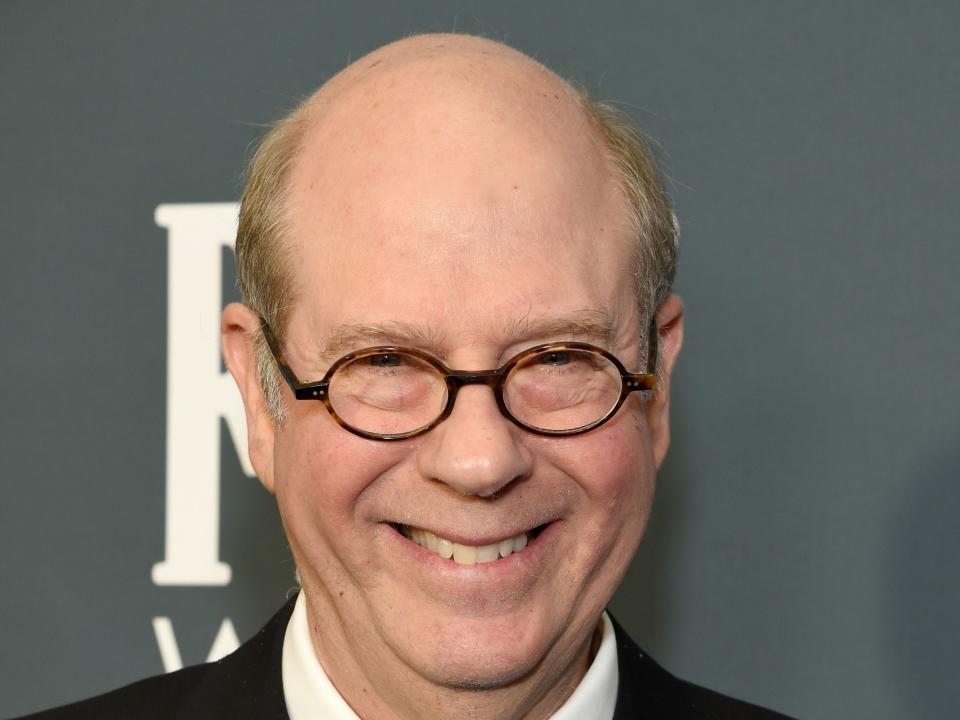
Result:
x=803 y=549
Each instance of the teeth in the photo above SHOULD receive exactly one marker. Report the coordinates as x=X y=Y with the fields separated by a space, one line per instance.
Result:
x=465 y=554
x=487 y=553
x=444 y=548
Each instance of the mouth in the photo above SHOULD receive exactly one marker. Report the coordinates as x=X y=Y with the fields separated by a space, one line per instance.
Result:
x=463 y=554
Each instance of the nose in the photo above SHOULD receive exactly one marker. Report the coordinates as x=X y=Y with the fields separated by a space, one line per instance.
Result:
x=475 y=450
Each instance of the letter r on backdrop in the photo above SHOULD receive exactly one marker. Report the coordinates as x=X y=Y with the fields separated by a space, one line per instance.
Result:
x=199 y=393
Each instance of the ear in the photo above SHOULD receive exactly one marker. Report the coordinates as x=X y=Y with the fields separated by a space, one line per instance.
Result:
x=670 y=338
x=239 y=327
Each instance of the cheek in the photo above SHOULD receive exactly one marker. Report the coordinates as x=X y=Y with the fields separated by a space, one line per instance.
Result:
x=613 y=465
x=322 y=476
x=614 y=471
x=623 y=488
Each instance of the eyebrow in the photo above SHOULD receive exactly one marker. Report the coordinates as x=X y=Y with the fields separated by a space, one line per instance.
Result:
x=353 y=336
x=593 y=324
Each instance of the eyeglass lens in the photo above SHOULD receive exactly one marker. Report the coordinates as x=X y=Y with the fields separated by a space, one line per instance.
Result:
x=396 y=393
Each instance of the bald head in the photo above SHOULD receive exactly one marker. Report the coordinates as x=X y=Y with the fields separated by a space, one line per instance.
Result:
x=454 y=134
x=448 y=69
x=475 y=59
x=438 y=95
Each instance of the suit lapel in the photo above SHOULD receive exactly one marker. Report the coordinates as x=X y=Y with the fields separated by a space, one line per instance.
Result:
x=645 y=689
x=248 y=683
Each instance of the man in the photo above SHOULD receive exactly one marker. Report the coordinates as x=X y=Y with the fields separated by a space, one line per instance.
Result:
x=455 y=355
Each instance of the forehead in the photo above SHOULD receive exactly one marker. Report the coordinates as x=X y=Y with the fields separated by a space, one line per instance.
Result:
x=458 y=198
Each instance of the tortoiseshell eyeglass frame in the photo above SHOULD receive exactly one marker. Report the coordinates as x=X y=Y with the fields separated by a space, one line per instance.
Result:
x=455 y=379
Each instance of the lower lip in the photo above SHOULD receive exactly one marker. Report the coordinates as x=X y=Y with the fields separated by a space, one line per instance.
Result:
x=522 y=566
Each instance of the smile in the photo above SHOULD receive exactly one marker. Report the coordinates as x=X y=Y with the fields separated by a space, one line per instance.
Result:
x=467 y=554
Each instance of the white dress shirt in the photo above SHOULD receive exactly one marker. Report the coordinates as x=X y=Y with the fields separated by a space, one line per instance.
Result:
x=310 y=694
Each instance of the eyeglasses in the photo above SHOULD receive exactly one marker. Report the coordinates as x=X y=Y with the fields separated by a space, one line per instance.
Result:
x=394 y=393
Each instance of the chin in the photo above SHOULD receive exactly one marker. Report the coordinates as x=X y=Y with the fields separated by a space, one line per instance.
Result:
x=478 y=654
x=479 y=672
x=488 y=681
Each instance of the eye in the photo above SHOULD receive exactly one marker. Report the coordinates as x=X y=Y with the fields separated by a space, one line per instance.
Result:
x=558 y=357
x=386 y=360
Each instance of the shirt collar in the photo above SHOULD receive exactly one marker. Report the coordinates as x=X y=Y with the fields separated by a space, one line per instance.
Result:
x=310 y=694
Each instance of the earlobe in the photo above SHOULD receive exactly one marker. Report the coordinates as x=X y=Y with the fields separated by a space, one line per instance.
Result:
x=670 y=336
x=239 y=326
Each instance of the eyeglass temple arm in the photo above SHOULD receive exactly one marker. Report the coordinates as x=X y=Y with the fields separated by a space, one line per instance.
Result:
x=646 y=380
x=302 y=391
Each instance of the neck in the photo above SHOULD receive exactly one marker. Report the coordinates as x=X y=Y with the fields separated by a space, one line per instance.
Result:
x=377 y=683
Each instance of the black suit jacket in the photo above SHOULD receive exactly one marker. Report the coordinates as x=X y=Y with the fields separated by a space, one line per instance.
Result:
x=248 y=684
